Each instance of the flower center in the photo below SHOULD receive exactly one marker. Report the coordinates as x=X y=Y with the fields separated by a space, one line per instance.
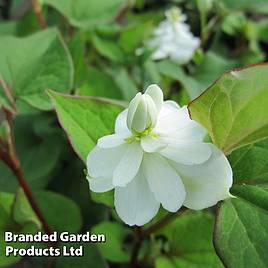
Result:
x=137 y=136
x=173 y=15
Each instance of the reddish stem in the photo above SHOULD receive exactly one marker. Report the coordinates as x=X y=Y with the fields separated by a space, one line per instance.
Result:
x=9 y=156
x=121 y=14
x=140 y=234
x=14 y=165
x=165 y=221
x=8 y=93
x=136 y=247
x=38 y=13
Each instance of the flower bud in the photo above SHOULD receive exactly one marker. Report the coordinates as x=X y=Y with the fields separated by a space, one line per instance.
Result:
x=142 y=113
x=156 y=93
x=174 y=14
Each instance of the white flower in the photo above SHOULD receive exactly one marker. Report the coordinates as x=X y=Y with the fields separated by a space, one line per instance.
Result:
x=173 y=38
x=157 y=156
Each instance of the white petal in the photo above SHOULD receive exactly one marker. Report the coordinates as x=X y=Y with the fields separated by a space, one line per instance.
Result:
x=132 y=108
x=151 y=110
x=111 y=141
x=171 y=119
x=129 y=165
x=183 y=55
x=137 y=117
x=163 y=28
x=151 y=144
x=172 y=103
x=156 y=94
x=191 y=132
x=187 y=153
x=100 y=185
x=121 y=123
x=102 y=162
x=178 y=124
x=160 y=54
x=135 y=204
x=207 y=183
x=164 y=182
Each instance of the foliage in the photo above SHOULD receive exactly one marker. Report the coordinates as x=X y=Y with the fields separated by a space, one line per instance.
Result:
x=64 y=86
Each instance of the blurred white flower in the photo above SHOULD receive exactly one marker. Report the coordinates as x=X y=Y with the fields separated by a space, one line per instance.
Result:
x=173 y=38
x=157 y=156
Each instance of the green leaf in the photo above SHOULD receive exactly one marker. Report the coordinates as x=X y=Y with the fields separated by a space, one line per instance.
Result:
x=72 y=176
x=108 y=49
x=149 y=74
x=77 y=47
x=33 y=151
x=28 y=24
x=124 y=81
x=8 y=28
x=110 y=30
x=134 y=35
x=204 y=6
x=234 y=23
x=106 y=198
x=212 y=66
x=6 y=201
x=99 y=84
x=85 y=119
x=113 y=249
x=61 y=212
x=234 y=109
x=261 y=29
x=22 y=210
x=250 y=163
x=41 y=63
x=174 y=71
x=189 y=242
x=260 y=6
x=241 y=231
x=8 y=223
x=86 y=14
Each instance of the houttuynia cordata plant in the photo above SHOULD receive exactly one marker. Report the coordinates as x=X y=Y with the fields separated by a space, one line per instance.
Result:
x=134 y=133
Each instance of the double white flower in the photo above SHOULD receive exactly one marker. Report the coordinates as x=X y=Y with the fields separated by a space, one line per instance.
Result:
x=157 y=156
x=173 y=38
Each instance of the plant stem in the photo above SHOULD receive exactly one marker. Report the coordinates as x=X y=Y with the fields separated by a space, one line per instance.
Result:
x=136 y=247
x=122 y=12
x=165 y=221
x=23 y=183
x=9 y=157
x=203 y=25
x=140 y=234
x=14 y=165
x=38 y=13
x=8 y=92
